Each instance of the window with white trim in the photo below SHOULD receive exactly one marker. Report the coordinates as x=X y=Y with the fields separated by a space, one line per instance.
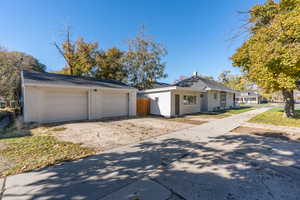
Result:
x=189 y=100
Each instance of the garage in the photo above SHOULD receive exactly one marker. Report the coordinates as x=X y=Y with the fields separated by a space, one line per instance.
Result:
x=65 y=105
x=114 y=104
x=49 y=97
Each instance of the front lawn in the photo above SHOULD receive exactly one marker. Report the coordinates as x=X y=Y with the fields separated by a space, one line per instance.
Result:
x=25 y=150
x=275 y=117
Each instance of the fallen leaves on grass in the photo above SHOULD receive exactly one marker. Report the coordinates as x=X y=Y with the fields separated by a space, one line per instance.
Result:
x=31 y=152
x=275 y=117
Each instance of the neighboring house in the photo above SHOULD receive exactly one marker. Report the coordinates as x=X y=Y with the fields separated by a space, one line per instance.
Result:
x=297 y=96
x=191 y=95
x=278 y=98
x=249 y=97
x=49 y=97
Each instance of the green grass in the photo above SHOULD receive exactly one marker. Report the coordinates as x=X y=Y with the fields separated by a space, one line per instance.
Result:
x=225 y=113
x=25 y=151
x=238 y=110
x=275 y=117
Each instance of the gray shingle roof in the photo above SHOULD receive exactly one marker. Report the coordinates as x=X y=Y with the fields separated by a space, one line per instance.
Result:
x=42 y=78
x=200 y=82
x=160 y=85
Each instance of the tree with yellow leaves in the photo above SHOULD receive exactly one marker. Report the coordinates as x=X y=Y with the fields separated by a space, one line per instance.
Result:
x=270 y=56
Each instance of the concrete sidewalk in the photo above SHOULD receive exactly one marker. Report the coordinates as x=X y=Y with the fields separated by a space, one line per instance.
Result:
x=138 y=171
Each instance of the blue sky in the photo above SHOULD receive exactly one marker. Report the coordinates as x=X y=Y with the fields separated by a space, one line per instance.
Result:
x=196 y=33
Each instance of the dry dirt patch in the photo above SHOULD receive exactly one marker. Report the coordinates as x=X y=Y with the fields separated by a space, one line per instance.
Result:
x=267 y=133
x=109 y=134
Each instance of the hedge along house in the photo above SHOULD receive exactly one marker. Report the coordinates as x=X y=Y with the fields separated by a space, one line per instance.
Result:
x=191 y=95
x=49 y=97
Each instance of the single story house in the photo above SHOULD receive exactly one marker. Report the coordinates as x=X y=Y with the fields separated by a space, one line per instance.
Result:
x=191 y=95
x=50 y=97
x=249 y=97
x=297 y=96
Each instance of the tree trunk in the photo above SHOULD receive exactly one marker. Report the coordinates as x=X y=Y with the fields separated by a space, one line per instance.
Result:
x=289 y=104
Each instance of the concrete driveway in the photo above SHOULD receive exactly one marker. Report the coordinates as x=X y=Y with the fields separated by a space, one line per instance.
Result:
x=203 y=162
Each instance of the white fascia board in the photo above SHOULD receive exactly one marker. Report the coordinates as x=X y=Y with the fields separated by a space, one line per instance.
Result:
x=80 y=87
x=169 y=89
x=157 y=89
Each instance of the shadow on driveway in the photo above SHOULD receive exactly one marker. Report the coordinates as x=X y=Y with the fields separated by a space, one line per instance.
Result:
x=226 y=167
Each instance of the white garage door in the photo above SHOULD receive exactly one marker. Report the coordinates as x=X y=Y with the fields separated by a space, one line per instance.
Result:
x=65 y=105
x=114 y=104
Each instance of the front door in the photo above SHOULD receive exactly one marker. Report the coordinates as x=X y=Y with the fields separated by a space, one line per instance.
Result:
x=234 y=100
x=177 y=104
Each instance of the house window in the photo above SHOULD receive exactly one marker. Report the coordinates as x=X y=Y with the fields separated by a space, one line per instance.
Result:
x=189 y=100
x=201 y=95
x=156 y=99
x=215 y=96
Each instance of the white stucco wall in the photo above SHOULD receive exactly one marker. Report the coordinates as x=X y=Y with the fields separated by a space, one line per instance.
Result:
x=132 y=103
x=186 y=109
x=33 y=97
x=162 y=106
x=212 y=103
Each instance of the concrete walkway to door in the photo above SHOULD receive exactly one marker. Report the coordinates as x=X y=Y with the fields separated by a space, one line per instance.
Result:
x=168 y=167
